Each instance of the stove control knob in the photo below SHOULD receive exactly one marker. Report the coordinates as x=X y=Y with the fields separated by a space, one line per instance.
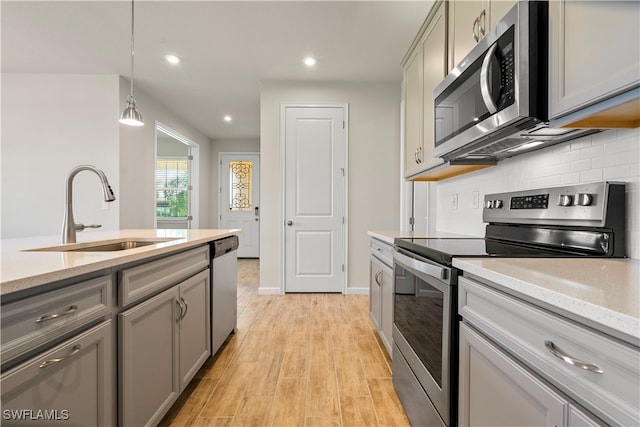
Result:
x=488 y=204
x=498 y=204
x=565 y=200
x=583 y=199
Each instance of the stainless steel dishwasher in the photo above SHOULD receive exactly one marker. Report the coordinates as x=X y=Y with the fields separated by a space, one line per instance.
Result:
x=224 y=290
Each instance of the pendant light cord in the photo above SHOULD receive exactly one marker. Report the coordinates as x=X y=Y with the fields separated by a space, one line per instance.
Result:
x=132 y=50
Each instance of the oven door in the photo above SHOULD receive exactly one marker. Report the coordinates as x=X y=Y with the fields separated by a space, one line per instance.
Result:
x=425 y=328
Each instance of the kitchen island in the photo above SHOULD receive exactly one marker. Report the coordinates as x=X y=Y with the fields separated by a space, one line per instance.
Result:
x=106 y=331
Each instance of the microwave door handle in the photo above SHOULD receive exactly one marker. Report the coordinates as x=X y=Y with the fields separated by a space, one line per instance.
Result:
x=485 y=77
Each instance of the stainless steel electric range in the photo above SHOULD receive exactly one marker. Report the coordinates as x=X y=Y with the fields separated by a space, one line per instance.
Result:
x=586 y=220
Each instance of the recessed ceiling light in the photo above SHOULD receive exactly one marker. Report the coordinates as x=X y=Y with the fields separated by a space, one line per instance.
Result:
x=172 y=59
x=227 y=119
x=309 y=61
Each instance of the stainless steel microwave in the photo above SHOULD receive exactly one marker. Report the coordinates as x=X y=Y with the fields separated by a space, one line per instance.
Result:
x=494 y=104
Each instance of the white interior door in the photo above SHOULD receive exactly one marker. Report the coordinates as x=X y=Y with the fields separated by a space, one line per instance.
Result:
x=240 y=199
x=315 y=161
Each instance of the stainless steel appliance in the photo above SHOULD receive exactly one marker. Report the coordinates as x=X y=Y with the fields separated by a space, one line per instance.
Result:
x=224 y=290
x=586 y=220
x=494 y=103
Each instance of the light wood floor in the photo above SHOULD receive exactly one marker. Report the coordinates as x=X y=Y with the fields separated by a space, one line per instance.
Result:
x=296 y=360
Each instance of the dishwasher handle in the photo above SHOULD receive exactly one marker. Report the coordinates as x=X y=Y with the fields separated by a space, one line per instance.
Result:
x=224 y=246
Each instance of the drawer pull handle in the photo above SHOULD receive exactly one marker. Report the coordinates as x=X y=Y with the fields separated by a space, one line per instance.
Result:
x=50 y=362
x=571 y=360
x=48 y=317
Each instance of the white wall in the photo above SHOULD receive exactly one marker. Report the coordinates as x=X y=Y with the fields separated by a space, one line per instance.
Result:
x=373 y=170
x=137 y=162
x=225 y=146
x=50 y=124
x=612 y=155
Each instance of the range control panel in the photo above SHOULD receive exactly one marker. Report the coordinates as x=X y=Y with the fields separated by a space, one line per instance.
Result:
x=582 y=204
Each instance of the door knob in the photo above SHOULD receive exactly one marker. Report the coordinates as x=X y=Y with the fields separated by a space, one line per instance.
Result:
x=289 y=223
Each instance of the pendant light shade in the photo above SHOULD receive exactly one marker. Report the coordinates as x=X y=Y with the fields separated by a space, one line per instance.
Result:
x=131 y=116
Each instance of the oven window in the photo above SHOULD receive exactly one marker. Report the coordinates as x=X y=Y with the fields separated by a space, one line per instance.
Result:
x=418 y=314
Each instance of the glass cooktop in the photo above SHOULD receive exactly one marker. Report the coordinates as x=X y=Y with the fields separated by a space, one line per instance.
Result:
x=443 y=250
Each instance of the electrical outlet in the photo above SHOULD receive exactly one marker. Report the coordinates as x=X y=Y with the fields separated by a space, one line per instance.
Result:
x=475 y=195
x=454 y=201
x=105 y=205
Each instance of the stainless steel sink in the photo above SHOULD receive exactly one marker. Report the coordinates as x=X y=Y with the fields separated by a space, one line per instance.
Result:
x=106 y=245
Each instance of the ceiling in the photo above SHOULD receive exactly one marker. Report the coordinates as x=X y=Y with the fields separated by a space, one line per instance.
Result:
x=227 y=48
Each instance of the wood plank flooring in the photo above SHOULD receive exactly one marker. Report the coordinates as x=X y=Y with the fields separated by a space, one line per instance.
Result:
x=296 y=360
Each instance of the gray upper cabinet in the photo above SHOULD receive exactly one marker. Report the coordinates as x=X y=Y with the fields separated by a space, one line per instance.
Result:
x=594 y=63
x=469 y=22
x=424 y=68
x=72 y=383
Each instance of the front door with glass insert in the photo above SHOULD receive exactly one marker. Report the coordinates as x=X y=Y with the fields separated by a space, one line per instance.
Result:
x=240 y=199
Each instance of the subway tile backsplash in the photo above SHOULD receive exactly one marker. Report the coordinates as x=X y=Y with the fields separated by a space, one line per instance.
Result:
x=612 y=155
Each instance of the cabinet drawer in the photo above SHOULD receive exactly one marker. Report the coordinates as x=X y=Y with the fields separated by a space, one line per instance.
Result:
x=138 y=282
x=73 y=383
x=523 y=329
x=383 y=251
x=33 y=321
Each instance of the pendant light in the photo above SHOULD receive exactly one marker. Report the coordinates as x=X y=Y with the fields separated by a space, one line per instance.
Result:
x=131 y=116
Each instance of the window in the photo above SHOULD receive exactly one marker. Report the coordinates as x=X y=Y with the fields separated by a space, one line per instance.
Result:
x=240 y=185
x=172 y=187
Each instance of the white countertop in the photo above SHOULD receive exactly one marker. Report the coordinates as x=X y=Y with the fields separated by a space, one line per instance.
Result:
x=22 y=269
x=387 y=236
x=603 y=293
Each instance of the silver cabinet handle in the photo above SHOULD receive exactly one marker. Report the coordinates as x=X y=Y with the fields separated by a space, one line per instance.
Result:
x=415 y=155
x=48 y=317
x=483 y=18
x=50 y=362
x=476 y=37
x=289 y=223
x=485 y=76
x=571 y=360
x=419 y=152
x=377 y=277
x=186 y=308
x=179 y=304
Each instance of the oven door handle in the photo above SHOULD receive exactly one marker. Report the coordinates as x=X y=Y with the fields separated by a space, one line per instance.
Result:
x=423 y=267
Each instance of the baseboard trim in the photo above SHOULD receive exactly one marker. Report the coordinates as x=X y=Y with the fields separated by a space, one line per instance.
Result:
x=269 y=291
x=357 y=291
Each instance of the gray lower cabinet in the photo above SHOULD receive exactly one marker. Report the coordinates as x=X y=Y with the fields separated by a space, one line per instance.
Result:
x=523 y=365
x=496 y=391
x=71 y=384
x=381 y=291
x=163 y=342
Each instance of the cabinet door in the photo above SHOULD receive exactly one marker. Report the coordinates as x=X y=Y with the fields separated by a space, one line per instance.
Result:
x=386 y=328
x=375 y=291
x=466 y=21
x=149 y=381
x=194 y=325
x=72 y=383
x=434 y=59
x=498 y=9
x=497 y=391
x=413 y=112
x=594 y=52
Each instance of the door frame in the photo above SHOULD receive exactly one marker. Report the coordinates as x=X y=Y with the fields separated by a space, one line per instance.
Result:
x=283 y=176
x=194 y=172
x=220 y=201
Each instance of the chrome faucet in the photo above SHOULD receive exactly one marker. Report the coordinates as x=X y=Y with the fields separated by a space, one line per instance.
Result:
x=69 y=227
